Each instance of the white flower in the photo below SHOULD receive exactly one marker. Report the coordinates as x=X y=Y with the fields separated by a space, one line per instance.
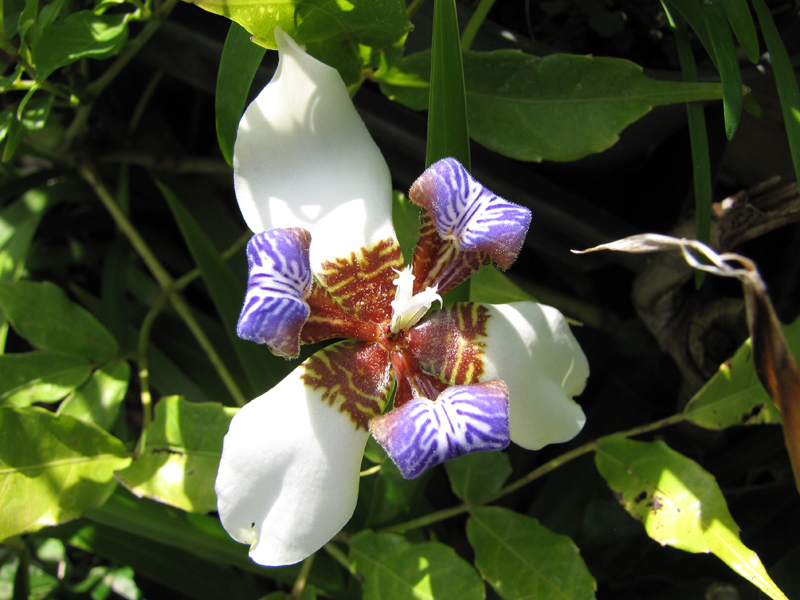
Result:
x=325 y=264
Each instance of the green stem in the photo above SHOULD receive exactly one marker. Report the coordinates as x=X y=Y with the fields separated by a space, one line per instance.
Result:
x=199 y=335
x=165 y=282
x=90 y=175
x=339 y=556
x=540 y=471
x=144 y=372
x=475 y=22
x=302 y=578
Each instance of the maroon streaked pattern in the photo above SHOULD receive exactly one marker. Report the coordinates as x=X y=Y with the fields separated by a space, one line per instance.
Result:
x=450 y=342
x=362 y=283
x=463 y=419
x=439 y=262
x=328 y=321
x=354 y=377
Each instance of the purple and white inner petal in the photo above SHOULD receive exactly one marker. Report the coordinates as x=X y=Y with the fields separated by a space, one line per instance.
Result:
x=470 y=215
x=275 y=307
x=463 y=419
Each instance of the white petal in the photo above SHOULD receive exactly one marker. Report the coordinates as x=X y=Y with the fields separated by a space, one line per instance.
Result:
x=289 y=473
x=531 y=348
x=303 y=158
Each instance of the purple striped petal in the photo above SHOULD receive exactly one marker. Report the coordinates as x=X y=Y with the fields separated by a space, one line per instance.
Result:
x=465 y=418
x=468 y=214
x=275 y=307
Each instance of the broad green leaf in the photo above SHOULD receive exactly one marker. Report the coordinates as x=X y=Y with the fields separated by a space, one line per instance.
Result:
x=100 y=399
x=448 y=132
x=490 y=285
x=520 y=558
x=262 y=368
x=559 y=107
x=181 y=455
x=43 y=315
x=741 y=21
x=331 y=31
x=476 y=476
x=727 y=63
x=40 y=377
x=734 y=396
x=237 y=67
x=396 y=569
x=31 y=115
x=83 y=34
x=785 y=79
x=52 y=468
x=679 y=503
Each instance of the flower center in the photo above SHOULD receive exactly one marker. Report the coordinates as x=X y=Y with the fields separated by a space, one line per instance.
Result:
x=407 y=307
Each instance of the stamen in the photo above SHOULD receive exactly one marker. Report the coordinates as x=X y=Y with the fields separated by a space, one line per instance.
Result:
x=408 y=308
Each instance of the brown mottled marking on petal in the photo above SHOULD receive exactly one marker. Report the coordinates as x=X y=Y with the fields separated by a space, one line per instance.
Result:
x=450 y=342
x=439 y=261
x=353 y=376
x=362 y=282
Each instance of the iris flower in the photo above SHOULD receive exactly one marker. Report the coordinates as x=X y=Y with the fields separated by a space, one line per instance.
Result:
x=325 y=264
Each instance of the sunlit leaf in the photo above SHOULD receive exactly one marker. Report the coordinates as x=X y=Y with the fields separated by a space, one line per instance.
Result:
x=52 y=468
x=476 y=476
x=522 y=559
x=558 y=107
x=734 y=396
x=492 y=286
x=181 y=455
x=99 y=400
x=396 y=569
x=43 y=315
x=40 y=377
x=331 y=31
x=679 y=503
x=82 y=34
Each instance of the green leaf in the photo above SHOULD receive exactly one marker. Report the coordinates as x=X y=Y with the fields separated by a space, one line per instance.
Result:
x=785 y=80
x=100 y=399
x=559 y=107
x=448 y=131
x=520 y=558
x=386 y=495
x=262 y=368
x=679 y=503
x=727 y=63
x=82 y=34
x=181 y=455
x=493 y=287
x=331 y=31
x=406 y=220
x=476 y=476
x=40 y=377
x=741 y=21
x=52 y=468
x=395 y=569
x=734 y=396
x=237 y=67
x=18 y=223
x=43 y=315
